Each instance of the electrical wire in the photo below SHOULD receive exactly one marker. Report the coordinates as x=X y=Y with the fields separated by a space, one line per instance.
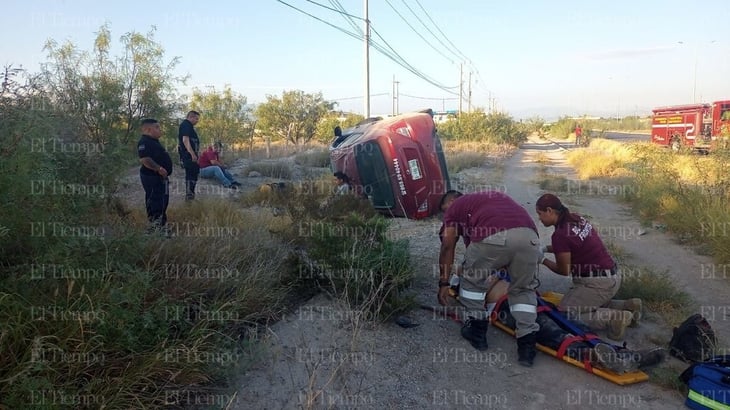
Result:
x=354 y=35
x=417 y=33
x=407 y=66
x=392 y=55
x=439 y=30
x=335 y=10
x=358 y=97
x=428 y=98
x=429 y=30
x=339 y=6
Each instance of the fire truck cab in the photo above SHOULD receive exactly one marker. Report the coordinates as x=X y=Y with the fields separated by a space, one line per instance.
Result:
x=699 y=126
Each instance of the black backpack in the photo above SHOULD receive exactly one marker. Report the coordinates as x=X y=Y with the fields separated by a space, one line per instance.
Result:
x=694 y=340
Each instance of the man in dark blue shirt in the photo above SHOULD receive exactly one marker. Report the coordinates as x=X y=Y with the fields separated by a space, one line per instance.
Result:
x=156 y=166
x=189 y=150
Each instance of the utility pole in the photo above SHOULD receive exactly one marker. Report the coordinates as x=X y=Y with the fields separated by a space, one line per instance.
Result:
x=469 y=94
x=461 y=85
x=396 y=96
x=366 y=108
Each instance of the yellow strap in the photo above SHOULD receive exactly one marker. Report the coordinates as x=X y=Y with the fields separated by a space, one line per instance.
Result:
x=706 y=401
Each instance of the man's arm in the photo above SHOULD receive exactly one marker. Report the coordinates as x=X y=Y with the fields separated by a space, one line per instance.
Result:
x=149 y=163
x=189 y=147
x=446 y=260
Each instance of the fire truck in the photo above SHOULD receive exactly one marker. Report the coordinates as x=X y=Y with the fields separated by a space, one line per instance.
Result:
x=700 y=126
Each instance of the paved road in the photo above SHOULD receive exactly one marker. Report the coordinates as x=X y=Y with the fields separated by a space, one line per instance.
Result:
x=626 y=137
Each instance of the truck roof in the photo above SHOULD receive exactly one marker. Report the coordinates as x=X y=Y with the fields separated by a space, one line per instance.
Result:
x=681 y=108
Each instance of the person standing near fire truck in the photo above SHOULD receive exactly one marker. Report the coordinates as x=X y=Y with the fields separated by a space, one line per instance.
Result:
x=578 y=134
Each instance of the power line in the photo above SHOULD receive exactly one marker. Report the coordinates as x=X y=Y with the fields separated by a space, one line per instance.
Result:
x=429 y=30
x=429 y=98
x=335 y=10
x=439 y=30
x=350 y=20
x=417 y=33
x=409 y=67
x=359 y=96
x=394 y=56
x=354 y=35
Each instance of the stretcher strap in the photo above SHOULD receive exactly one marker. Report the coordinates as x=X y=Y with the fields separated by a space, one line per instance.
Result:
x=572 y=339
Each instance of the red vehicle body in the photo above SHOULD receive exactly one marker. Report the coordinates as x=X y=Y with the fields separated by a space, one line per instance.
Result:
x=698 y=126
x=397 y=163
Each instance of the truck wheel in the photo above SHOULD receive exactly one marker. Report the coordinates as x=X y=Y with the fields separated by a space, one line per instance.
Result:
x=675 y=144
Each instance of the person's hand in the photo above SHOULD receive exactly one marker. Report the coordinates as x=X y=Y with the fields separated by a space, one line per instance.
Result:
x=443 y=296
x=194 y=157
x=163 y=172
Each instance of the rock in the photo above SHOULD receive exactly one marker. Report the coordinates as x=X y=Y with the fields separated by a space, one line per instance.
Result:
x=254 y=174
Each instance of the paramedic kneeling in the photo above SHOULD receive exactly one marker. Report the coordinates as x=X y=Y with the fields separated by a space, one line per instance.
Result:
x=580 y=253
x=497 y=232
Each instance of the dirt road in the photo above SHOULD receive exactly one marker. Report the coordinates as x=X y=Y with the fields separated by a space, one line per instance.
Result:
x=324 y=357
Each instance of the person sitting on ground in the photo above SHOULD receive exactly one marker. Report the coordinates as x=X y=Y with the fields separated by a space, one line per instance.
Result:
x=211 y=167
x=580 y=254
x=342 y=182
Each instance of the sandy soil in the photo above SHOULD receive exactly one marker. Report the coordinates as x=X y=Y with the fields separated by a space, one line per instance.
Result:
x=324 y=356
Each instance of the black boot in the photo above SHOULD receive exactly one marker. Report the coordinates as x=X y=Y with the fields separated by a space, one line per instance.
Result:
x=475 y=331
x=526 y=349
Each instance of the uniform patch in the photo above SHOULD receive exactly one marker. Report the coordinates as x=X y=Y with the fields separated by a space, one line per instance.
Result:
x=140 y=147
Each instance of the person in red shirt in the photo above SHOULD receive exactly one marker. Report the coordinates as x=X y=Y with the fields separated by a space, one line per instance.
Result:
x=578 y=134
x=497 y=232
x=212 y=167
x=581 y=254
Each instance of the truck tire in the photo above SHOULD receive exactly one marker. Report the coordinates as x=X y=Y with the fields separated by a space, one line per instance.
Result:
x=675 y=144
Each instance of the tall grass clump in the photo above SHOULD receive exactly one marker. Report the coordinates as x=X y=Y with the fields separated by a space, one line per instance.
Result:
x=135 y=321
x=275 y=169
x=314 y=157
x=601 y=159
x=348 y=251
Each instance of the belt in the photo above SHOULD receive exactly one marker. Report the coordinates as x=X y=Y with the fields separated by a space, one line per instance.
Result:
x=602 y=273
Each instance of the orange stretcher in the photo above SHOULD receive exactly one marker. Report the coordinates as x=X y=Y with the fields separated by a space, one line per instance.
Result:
x=633 y=377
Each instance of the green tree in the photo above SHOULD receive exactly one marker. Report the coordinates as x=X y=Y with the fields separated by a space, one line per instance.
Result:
x=104 y=97
x=326 y=126
x=293 y=117
x=477 y=125
x=226 y=115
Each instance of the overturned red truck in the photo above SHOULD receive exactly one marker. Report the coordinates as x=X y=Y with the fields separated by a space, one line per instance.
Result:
x=398 y=163
x=699 y=126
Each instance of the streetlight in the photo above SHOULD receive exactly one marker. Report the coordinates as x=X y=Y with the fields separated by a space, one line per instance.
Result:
x=694 y=82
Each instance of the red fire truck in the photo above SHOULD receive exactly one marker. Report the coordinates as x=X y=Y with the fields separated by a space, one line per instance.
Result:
x=699 y=126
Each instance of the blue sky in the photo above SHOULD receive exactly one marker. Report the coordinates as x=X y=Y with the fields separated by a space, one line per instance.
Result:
x=546 y=58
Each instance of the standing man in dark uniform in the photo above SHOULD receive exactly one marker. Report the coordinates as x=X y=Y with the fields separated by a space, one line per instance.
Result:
x=189 y=149
x=156 y=167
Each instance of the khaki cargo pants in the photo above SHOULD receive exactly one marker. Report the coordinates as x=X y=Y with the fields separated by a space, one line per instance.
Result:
x=518 y=250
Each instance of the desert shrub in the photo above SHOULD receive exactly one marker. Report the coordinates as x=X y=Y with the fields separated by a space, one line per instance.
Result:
x=497 y=128
x=273 y=169
x=314 y=157
x=158 y=319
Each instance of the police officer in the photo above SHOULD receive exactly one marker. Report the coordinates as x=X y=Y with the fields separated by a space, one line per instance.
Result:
x=189 y=150
x=156 y=166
